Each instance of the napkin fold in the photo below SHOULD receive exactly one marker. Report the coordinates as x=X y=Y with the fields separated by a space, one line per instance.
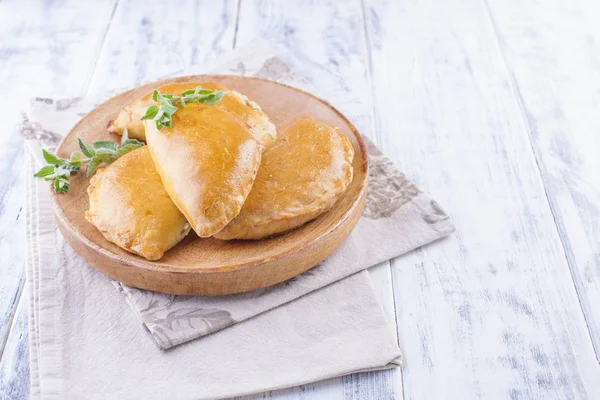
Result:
x=397 y=218
x=85 y=343
x=324 y=323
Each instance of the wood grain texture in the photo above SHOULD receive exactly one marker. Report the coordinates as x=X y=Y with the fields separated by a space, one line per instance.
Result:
x=336 y=38
x=54 y=52
x=199 y=12
x=554 y=69
x=209 y=266
x=37 y=55
x=12 y=231
x=491 y=312
x=14 y=365
x=147 y=41
x=130 y=26
x=488 y=314
x=327 y=46
x=51 y=52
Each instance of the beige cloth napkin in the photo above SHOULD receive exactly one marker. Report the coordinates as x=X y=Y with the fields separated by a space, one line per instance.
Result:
x=316 y=326
x=86 y=344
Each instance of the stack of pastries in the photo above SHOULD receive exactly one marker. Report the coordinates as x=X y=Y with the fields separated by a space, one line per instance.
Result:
x=221 y=170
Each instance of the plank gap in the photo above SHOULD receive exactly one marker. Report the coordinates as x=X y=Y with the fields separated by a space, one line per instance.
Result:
x=369 y=68
x=14 y=366
x=237 y=23
x=102 y=43
x=11 y=317
x=529 y=129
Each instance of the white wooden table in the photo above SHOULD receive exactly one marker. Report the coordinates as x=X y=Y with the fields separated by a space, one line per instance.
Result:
x=491 y=106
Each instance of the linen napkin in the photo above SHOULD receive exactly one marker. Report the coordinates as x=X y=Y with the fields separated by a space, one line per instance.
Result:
x=313 y=327
x=85 y=344
x=397 y=218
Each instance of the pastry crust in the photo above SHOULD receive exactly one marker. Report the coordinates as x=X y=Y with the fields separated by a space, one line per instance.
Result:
x=301 y=176
x=208 y=162
x=130 y=206
x=246 y=111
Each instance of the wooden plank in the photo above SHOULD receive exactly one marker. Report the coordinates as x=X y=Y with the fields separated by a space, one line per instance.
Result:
x=326 y=43
x=53 y=50
x=147 y=41
x=552 y=50
x=97 y=85
x=14 y=365
x=327 y=47
x=62 y=43
x=12 y=230
x=491 y=312
x=38 y=54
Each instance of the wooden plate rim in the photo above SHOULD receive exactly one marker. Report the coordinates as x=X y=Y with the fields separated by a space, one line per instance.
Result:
x=155 y=265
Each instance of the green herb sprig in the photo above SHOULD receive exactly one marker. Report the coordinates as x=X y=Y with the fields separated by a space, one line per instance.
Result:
x=59 y=169
x=163 y=113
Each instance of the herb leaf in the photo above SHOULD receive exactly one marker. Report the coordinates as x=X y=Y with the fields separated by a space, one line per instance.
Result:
x=165 y=103
x=150 y=113
x=86 y=148
x=92 y=166
x=66 y=168
x=77 y=158
x=104 y=151
x=106 y=155
x=51 y=158
x=163 y=113
x=214 y=98
x=128 y=148
x=45 y=171
x=105 y=144
x=61 y=184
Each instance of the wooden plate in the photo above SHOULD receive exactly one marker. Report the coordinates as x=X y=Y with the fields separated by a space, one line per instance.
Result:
x=210 y=266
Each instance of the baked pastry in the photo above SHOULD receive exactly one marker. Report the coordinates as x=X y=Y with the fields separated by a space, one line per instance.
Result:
x=301 y=176
x=130 y=206
x=248 y=112
x=207 y=161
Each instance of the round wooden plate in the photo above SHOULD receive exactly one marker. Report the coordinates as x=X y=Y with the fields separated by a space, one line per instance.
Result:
x=209 y=266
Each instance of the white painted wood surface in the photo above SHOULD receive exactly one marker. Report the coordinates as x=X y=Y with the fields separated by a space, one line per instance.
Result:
x=37 y=55
x=43 y=51
x=554 y=69
x=328 y=45
x=493 y=311
x=147 y=40
x=490 y=106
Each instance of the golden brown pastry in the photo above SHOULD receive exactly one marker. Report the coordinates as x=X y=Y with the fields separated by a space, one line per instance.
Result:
x=248 y=113
x=207 y=161
x=301 y=176
x=130 y=206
